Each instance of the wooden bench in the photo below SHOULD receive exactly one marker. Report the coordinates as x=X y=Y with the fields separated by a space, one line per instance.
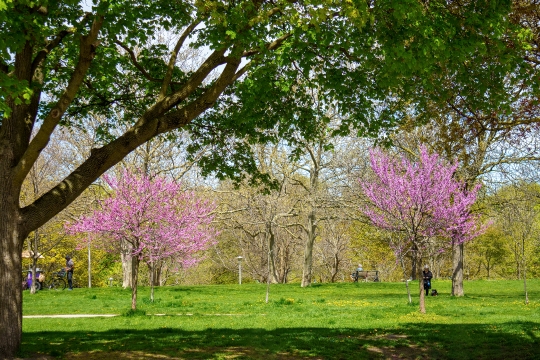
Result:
x=365 y=275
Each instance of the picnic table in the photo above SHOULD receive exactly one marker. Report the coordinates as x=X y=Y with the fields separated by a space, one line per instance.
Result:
x=365 y=275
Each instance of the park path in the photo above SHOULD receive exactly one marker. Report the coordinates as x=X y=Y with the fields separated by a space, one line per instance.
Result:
x=68 y=316
x=113 y=315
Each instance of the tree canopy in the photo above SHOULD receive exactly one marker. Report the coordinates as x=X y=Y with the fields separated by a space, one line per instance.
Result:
x=62 y=62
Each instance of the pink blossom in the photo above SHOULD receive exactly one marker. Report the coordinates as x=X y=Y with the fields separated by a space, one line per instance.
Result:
x=421 y=200
x=155 y=216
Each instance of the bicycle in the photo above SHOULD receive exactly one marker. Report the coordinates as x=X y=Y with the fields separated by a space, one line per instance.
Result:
x=57 y=282
x=27 y=282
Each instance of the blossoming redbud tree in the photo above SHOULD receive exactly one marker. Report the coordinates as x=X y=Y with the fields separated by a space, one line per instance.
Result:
x=155 y=217
x=422 y=202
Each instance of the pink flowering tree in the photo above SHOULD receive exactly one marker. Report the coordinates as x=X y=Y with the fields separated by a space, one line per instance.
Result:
x=420 y=202
x=156 y=218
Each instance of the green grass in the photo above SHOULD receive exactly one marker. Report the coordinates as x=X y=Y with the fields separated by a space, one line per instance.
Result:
x=325 y=321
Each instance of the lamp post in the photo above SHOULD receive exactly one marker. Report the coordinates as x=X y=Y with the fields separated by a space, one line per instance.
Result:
x=89 y=264
x=239 y=258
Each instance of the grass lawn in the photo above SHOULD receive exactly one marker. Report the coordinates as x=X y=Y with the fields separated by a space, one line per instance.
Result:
x=325 y=321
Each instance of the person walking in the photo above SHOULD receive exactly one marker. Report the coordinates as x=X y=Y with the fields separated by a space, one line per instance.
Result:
x=69 y=269
x=427 y=275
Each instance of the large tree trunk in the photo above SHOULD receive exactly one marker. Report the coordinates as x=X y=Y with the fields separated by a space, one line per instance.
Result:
x=457 y=273
x=10 y=275
x=15 y=133
x=308 y=251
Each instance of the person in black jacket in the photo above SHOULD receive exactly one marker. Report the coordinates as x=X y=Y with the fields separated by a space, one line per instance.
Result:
x=427 y=275
x=69 y=268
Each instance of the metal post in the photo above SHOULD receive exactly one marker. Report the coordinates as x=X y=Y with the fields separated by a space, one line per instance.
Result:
x=89 y=265
x=240 y=269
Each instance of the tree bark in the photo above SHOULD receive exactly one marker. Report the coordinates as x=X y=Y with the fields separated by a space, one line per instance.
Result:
x=14 y=134
x=11 y=278
x=422 y=295
x=308 y=251
x=457 y=273
x=152 y=265
x=524 y=261
x=271 y=254
x=127 y=265
x=134 y=280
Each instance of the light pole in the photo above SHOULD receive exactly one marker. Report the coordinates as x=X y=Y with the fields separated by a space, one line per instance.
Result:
x=89 y=264
x=239 y=269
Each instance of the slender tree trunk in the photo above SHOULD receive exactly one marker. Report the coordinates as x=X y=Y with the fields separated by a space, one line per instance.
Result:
x=282 y=265
x=152 y=266
x=525 y=288
x=271 y=257
x=134 y=281
x=34 y=253
x=406 y=280
x=127 y=264
x=524 y=272
x=33 y=288
x=154 y=271
x=414 y=262
x=157 y=273
x=268 y=276
x=421 y=285
x=308 y=251
x=457 y=274
x=335 y=267
x=422 y=295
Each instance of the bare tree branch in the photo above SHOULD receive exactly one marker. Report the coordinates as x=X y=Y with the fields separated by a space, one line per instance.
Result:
x=172 y=60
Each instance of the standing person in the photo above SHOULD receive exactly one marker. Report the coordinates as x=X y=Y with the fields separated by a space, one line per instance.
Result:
x=427 y=275
x=69 y=268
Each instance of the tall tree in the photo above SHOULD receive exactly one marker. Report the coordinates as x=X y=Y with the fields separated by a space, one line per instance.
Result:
x=489 y=124
x=62 y=61
x=155 y=217
x=422 y=201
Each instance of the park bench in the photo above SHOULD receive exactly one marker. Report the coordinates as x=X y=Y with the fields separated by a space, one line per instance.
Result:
x=365 y=275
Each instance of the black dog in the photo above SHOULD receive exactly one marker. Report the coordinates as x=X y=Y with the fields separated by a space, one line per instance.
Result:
x=434 y=292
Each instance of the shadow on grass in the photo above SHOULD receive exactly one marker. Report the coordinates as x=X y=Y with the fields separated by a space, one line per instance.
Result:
x=412 y=341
